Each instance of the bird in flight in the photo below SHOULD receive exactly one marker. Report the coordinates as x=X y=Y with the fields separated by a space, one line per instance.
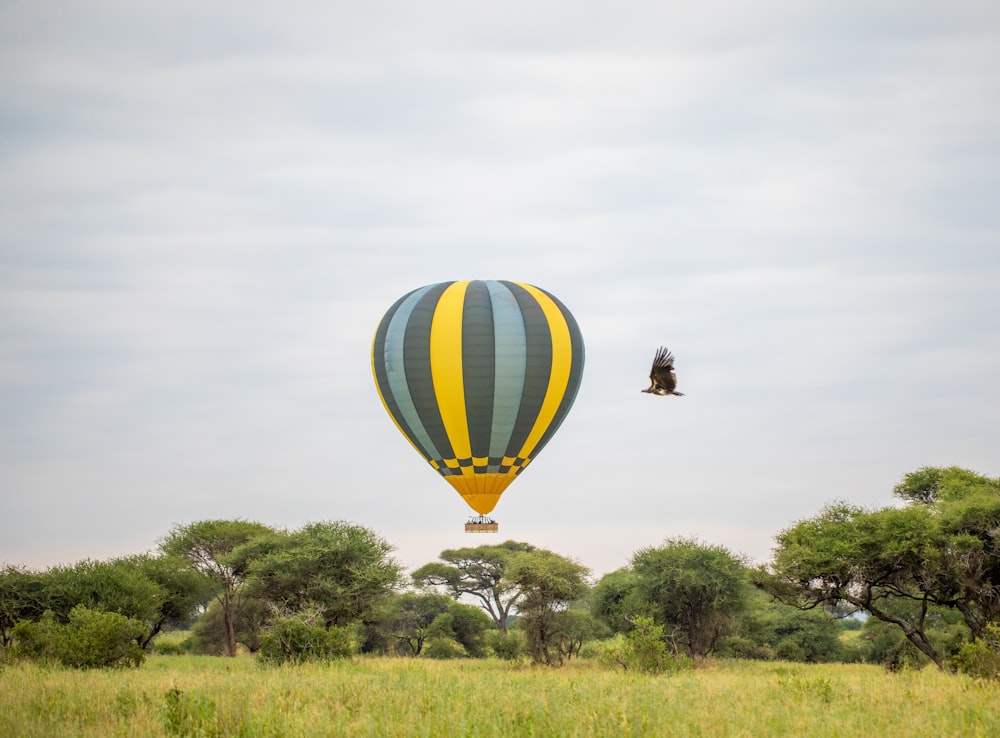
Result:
x=662 y=379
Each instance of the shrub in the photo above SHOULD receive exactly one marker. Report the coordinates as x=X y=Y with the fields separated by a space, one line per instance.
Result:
x=741 y=647
x=296 y=640
x=91 y=639
x=789 y=650
x=644 y=649
x=97 y=639
x=507 y=646
x=170 y=648
x=39 y=641
x=443 y=648
x=981 y=657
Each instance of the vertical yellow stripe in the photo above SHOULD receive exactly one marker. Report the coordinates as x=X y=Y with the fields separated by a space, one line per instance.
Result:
x=446 y=368
x=562 y=360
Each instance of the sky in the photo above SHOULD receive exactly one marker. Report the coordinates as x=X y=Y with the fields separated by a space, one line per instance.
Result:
x=206 y=208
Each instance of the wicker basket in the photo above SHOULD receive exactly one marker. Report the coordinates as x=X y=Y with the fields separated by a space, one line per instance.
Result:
x=481 y=524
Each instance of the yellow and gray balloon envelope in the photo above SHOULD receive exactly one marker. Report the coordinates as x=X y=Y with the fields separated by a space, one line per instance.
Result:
x=478 y=375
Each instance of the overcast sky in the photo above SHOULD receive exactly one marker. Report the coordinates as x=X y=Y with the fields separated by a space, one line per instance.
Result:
x=206 y=208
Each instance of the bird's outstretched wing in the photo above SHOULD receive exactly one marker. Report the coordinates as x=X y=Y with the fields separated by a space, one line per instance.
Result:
x=662 y=374
x=662 y=380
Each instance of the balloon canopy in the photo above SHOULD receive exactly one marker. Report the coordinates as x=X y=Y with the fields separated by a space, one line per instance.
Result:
x=478 y=375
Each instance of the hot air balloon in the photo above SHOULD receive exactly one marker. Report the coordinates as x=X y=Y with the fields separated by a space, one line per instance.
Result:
x=478 y=375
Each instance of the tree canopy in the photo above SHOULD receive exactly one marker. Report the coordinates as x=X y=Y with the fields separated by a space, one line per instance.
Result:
x=341 y=570
x=694 y=589
x=212 y=548
x=479 y=572
x=941 y=549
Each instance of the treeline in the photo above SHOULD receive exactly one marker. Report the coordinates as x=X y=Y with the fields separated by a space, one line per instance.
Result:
x=902 y=586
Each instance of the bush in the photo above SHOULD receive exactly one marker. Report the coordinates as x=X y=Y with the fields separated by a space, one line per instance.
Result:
x=981 y=657
x=443 y=648
x=90 y=640
x=741 y=647
x=507 y=646
x=789 y=650
x=170 y=648
x=296 y=640
x=40 y=641
x=644 y=649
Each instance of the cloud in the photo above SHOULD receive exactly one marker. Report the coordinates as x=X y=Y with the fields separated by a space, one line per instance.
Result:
x=204 y=212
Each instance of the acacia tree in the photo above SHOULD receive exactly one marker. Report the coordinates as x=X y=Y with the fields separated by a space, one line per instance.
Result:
x=212 y=548
x=341 y=571
x=479 y=572
x=966 y=508
x=692 y=588
x=415 y=618
x=22 y=597
x=865 y=558
x=151 y=590
x=410 y=616
x=615 y=600
x=181 y=591
x=897 y=564
x=547 y=583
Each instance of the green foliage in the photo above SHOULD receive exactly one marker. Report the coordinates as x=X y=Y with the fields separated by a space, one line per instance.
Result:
x=548 y=583
x=249 y=617
x=217 y=549
x=616 y=600
x=773 y=630
x=539 y=583
x=645 y=647
x=91 y=639
x=480 y=572
x=117 y=585
x=166 y=647
x=546 y=580
x=695 y=589
x=884 y=644
x=299 y=639
x=929 y=485
x=182 y=591
x=980 y=657
x=883 y=641
x=407 y=621
x=155 y=590
x=469 y=626
x=462 y=625
x=507 y=646
x=22 y=597
x=443 y=647
x=940 y=551
x=40 y=640
x=339 y=569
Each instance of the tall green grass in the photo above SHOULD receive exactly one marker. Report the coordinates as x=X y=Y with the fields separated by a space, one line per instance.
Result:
x=205 y=696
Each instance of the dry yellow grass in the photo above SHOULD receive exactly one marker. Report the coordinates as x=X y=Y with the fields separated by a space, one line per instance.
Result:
x=192 y=696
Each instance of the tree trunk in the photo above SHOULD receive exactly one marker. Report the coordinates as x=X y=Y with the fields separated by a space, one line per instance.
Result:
x=227 y=619
x=145 y=642
x=914 y=635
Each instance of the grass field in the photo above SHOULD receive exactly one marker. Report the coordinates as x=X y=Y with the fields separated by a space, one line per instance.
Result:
x=205 y=696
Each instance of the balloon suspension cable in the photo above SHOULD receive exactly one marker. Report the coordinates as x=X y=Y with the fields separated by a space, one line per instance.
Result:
x=481 y=524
